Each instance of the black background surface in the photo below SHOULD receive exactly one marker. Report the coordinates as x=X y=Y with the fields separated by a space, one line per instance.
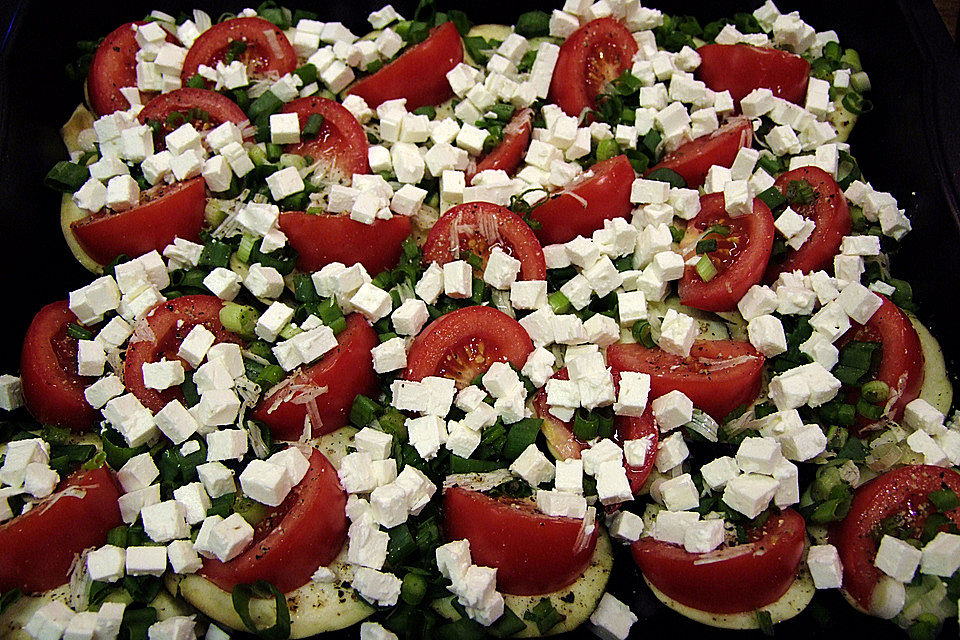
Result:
x=909 y=145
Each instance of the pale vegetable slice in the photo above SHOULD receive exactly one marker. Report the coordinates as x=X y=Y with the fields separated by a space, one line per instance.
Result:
x=69 y=212
x=576 y=602
x=842 y=120
x=936 y=388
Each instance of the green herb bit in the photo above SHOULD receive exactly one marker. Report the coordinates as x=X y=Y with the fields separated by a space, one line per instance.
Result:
x=262 y=589
x=799 y=192
x=533 y=24
x=66 y=176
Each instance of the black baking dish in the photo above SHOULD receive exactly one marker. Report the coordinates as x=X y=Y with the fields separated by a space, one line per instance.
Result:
x=909 y=144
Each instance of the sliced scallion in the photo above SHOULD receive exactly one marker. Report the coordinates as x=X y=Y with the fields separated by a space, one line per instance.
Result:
x=706 y=269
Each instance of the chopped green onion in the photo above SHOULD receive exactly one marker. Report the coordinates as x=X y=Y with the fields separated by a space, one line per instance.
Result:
x=117 y=453
x=663 y=174
x=773 y=198
x=869 y=411
x=559 y=302
x=470 y=465
x=856 y=103
x=137 y=621
x=265 y=105
x=461 y=22
x=764 y=622
x=475 y=46
x=544 y=615
x=235 y=49
x=520 y=436
x=860 y=81
x=239 y=318
x=799 y=192
x=677 y=232
x=216 y=254
x=12 y=596
x=706 y=269
x=606 y=149
x=585 y=425
x=507 y=624
x=875 y=391
x=79 y=332
x=770 y=164
x=706 y=246
x=533 y=24
x=944 y=499
x=312 y=126
x=270 y=376
x=642 y=333
x=364 y=411
x=307 y=73
x=413 y=588
x=241 y=604
x=118 y=536
x=66 y=176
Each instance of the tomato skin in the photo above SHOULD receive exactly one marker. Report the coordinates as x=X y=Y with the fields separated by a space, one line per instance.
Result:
x=739 y=266
x=341 y=139
x=901 y=491
x=39 y=546
x=448 y=346
x=693 y=159
x=734 y=581
x=741 y=68
x=607 y=194
x=594 y=55
x=306 y=531
x=419 y=74
x=113 y=67
x=263 y=54
x=830 y=213
x=532 y=552
x=717 y=388
x=509 y=154
x=324 y=238
x=176 y=211
x=220 y=108
x=52 y=388
x=168 y=323
x=346 y=371
x=471 y=220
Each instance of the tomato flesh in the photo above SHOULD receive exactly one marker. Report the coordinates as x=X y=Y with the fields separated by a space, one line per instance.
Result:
x=324 y=238
x=900 y=494
x=52 y=389
x=345 y=372
x=731 y=579
x=479 y=227
x=341 y=140
x=159 y=334
x=693 y=159
x=114 y=66
x=532 y=552
x=464 y=343
x=741 y=68
x=718 y=375
x=419 y=74
x=593 y=56
x=267 y=48
x=165 y=212
x=509 y=154
x=39 y=546
x=740 y=257
x=218 y=108
x=306 y=531
x=581 y=208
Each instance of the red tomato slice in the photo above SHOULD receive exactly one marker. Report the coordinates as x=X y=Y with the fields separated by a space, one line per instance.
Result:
x=345 y=372
x=159 y=333
x=324 y=238
x=902 y=493
x=52 y=389
x=509 y=154
x=718 y=375
x=341 y=140
x=829 y=212
x=306 y=531
x=479 y=227
x=419 y=74
x=218 y=107
x=532 y=552
x=566 y=445
x=693 y=159
x=901 y=358
x=114 y=66
x=39 y=546
x=741 y=68
x=740 y=258
x=581 y=208
x=464 y=343
x=593 y=56
x=165 y=212
x=268 y=50
x=731 y=579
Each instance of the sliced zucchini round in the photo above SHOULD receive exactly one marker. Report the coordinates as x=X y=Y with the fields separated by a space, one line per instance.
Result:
x=936 y=388
x=81 y=119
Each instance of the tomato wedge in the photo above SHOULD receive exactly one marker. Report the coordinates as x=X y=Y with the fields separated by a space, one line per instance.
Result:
x=693 y=159
x=479 y=227
x=830 y=213
x=731 y=579
x=509 y=154
x=581 y=208
x=341 y=140
x=464 y=343
x=741 y=68
x=267 y=48
x=52 y=388
x=419 y=74
x=532 y=552
x=159 y=333
x=740 y=257
x=565 y=445
x=324 y=238
x=114 y=66
x=217 y=107
x=39 y=546
x=901 y=358
x=901 y=494
x=718 y=375
x=306 y=531
x=345 y=372
x=165 y=212
x=593 y=56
